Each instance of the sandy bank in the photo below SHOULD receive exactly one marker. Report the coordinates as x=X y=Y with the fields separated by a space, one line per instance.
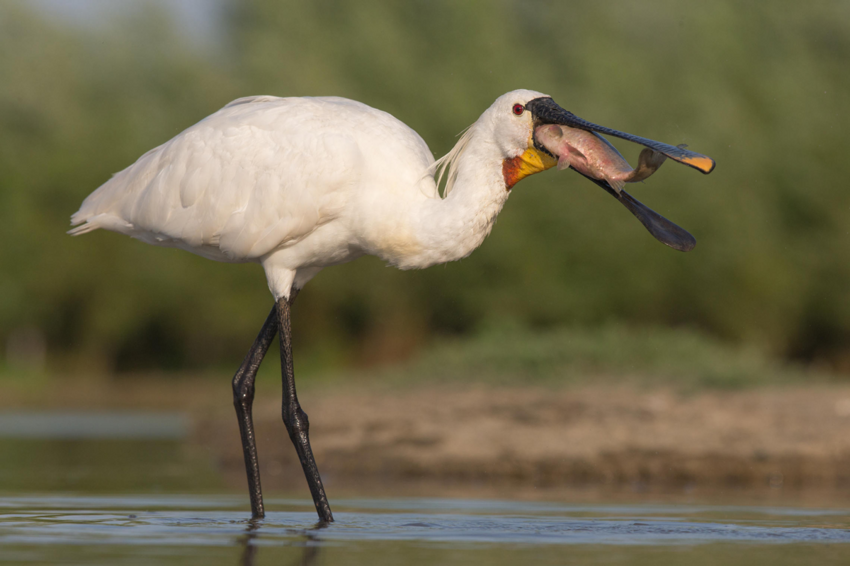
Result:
x=780 y=438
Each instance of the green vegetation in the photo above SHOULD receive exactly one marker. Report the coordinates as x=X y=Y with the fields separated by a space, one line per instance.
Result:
x=648 y=356
x=761 y=88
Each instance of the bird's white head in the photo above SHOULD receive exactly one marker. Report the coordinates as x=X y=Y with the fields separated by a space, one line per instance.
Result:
x=508 y=121
x=507 y=128
x=510 y=124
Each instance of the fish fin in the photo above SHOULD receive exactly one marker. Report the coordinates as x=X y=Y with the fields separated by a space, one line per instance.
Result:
x=617 y=184
x=648 y=163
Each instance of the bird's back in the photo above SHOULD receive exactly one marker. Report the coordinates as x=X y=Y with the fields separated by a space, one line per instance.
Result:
x=261 y=173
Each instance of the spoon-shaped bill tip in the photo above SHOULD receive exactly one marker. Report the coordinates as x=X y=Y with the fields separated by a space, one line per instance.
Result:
x=699 y=162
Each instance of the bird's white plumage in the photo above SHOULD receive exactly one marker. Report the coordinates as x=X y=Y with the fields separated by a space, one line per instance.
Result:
x=299 y=184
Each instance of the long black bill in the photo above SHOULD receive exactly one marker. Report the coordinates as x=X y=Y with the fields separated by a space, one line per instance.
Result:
x=546 y=111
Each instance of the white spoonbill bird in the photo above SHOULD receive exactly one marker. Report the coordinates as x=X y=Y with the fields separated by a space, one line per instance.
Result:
x=299 y=184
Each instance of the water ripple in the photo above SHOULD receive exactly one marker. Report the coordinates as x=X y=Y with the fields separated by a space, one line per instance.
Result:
x=204 y=521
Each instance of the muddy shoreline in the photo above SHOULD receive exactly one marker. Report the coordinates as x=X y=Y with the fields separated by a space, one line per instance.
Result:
x=609 y=437
x=433 y=439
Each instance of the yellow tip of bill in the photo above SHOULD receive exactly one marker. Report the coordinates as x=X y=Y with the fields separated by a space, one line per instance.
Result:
x=700 y=162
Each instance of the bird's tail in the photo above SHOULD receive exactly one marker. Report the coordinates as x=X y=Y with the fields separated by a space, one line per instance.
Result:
x=106 y=221
x=82 y=229
x=84 y=220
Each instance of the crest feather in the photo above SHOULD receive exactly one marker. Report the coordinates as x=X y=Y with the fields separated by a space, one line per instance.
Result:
x=446 y=166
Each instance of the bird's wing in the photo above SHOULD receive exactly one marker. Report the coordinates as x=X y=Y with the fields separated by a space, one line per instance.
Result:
x=256 y=175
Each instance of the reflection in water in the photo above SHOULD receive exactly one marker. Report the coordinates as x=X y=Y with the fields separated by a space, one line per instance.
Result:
x=165 y=529
x=311 y=549
x=249 y=548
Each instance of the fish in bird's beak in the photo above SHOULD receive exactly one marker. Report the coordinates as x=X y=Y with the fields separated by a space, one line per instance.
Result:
x=593 y=156
x=576 y=144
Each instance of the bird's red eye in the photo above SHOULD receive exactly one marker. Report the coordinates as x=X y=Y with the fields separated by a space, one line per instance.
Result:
x=519 y=109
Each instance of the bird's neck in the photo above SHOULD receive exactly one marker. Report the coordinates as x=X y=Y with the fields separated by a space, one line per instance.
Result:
x=451 y=228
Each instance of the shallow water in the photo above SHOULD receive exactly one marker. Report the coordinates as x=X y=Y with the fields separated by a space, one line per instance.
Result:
x=59 y=475
x=215 y=530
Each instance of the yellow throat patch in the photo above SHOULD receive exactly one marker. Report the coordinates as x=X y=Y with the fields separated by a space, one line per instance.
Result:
x=530 y=162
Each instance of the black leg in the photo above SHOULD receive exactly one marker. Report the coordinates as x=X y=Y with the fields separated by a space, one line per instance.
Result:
x=243 y=400
x=294 y=418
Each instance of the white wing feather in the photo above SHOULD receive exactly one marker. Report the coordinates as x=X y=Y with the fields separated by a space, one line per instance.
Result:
x=260 y=174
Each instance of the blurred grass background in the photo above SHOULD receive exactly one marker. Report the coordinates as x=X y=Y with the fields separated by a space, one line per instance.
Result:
x=567 y=282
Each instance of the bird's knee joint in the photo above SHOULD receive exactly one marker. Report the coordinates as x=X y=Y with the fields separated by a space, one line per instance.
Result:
x=243 y=392
x=296 y=422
